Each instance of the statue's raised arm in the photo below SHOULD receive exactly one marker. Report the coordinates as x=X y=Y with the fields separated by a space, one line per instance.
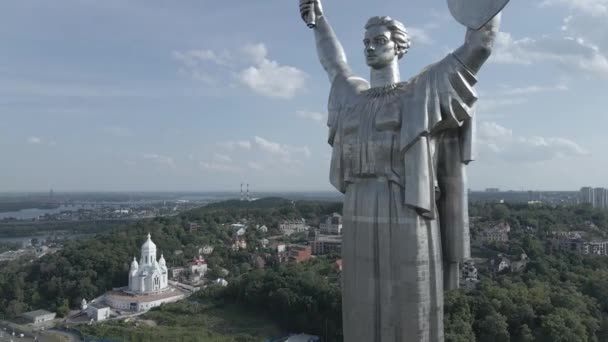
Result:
x=482 y=18
x=330 y=51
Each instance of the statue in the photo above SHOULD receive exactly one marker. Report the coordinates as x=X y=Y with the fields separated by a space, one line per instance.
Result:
x=399 y=151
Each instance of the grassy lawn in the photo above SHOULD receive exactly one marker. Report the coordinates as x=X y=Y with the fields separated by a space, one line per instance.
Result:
x=187 y=321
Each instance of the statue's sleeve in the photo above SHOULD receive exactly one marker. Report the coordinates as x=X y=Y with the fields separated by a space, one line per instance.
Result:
x=440 y=99
x=344 y=89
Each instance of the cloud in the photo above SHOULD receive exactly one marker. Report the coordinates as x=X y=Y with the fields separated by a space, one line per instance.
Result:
x=533 y=89
x=271 y=147
x=40 y=141
x=269 y=78
x=249 y=66
x=314 y=116
x=232 y=145
x=420 y=36
x=284 y=152
x=218 y=167
x=492 y=103
x=590 y=7
x=574 y=53
x=222 y=157
x=498 y=142
x=160 y=159
x=34 y=140
x=193 y=58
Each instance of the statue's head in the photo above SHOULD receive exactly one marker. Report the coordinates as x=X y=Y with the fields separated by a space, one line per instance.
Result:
x=385 y=39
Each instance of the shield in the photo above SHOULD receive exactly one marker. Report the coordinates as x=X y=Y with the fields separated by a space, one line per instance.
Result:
x=475 y=13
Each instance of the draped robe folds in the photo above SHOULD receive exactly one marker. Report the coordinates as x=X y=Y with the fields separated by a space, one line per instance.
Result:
x=398 y=154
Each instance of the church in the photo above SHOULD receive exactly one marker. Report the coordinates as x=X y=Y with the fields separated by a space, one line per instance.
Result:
x=149 y=275
x=148 y=284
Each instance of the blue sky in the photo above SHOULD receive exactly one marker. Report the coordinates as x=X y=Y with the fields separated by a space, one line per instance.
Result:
x=199 y=95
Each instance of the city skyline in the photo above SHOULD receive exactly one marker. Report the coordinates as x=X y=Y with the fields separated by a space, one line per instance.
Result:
x=143 y=96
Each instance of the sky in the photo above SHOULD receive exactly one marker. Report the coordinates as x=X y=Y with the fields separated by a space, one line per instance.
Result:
x=198 y=95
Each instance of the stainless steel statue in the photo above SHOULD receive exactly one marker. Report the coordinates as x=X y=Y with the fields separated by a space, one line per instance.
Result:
x=399 y=152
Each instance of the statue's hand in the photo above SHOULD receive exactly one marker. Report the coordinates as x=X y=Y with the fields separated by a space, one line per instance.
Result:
x=310 y=8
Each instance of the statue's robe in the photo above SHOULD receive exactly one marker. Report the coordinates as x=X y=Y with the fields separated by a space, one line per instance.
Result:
x=398 y=154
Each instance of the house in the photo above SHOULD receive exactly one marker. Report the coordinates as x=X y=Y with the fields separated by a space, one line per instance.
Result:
x=198 y=266
x=38 y=316
x=176 y=272
x=263 y=229
x=468 y=275
x=264 y=242
x=325 y=244
x=235 y=227
x=331 y=224
x=193 y=226
x=98 y=312
x=206 y=250
x=238 y=243
x=299 y=253
x=499 y=264
x=498 y=233
x=338 y=265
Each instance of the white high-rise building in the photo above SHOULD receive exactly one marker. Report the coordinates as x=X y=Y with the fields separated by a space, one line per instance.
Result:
x=149 y=275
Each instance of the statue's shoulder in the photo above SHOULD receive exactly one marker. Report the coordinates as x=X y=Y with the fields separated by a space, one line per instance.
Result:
x=344 y=87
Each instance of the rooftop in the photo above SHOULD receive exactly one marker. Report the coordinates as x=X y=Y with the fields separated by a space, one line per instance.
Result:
x=38 y=313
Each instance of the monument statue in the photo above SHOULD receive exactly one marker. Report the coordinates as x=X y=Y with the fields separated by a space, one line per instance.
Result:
x=398 y=154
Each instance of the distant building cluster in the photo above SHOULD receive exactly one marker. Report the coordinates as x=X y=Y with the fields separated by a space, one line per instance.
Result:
x=331 y=225
x=597 y=197
x=576 y=242
x=290 y=227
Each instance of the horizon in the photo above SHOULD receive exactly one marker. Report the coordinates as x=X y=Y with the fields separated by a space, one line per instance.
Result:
x=119 y=95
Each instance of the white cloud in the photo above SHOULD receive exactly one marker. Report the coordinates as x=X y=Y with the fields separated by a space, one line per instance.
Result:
x=160 y=159
x=193 y=58
x=498 y=142
x=218 y=167
x=255 y=52
x=574 y=53
x=314 y=116
x=222 y=157
x=488 y=104
x=419 y=36
x=34 y=140
x=533 y=89
x=40 y=141
x=590 y=7
x=284 y=152
x=271 y=147
x=270 y=79
x=259 y=73
x=232 y=145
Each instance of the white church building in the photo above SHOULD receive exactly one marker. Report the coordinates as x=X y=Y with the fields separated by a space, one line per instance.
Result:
x=149 y=275
x=148 y=283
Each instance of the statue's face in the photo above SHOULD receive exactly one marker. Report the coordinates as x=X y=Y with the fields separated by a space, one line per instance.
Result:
x=379 y=49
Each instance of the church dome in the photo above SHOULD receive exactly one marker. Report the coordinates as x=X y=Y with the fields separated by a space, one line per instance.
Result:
x=162 y=261
x=148 y=245
x=134 y=264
